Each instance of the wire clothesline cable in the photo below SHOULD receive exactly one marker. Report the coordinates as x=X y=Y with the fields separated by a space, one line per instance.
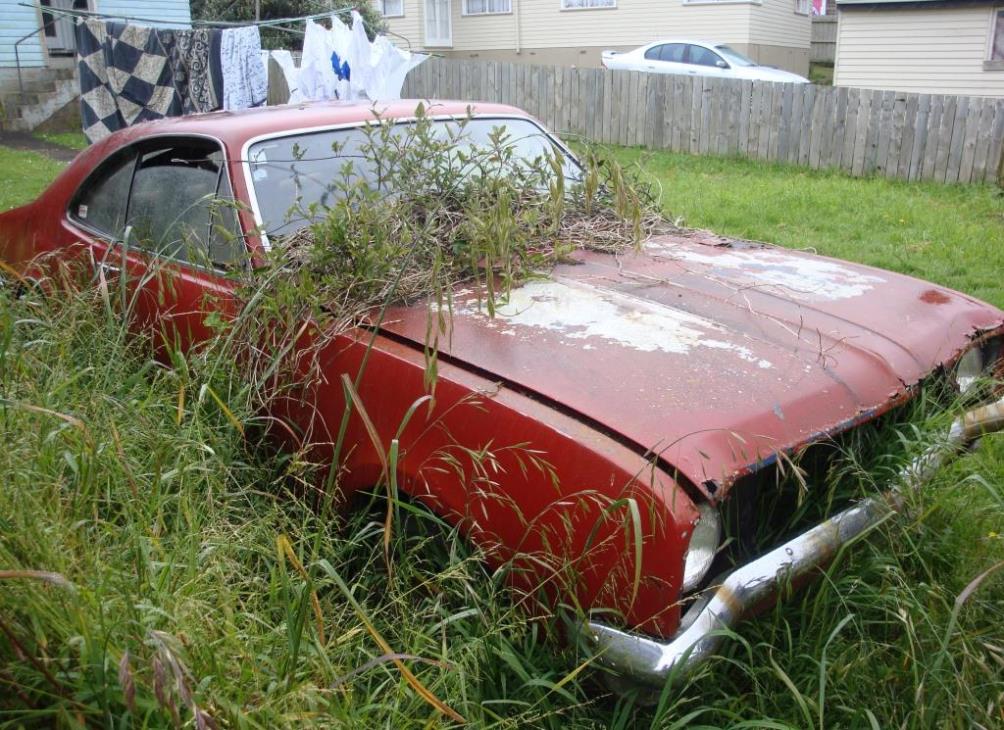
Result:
x=277 y=23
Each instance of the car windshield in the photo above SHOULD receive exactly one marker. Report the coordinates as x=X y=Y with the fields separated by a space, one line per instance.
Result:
x=295 y=172
x=735 y=57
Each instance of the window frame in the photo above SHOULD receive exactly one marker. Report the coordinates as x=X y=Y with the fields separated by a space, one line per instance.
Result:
x=587 y=8
x=249 y=143
x=135 y=149
x=465 y=13
x=384 y=14
x=989 y=62
x=435 y=42
x=712 y=51
x=806 y=3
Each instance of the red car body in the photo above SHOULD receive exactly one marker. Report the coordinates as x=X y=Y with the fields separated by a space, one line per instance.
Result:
x=650 y=382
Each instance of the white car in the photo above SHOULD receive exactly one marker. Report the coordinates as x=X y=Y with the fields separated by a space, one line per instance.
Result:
x=695 y=58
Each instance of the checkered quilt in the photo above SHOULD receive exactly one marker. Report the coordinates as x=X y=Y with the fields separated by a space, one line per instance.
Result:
x=125 y=76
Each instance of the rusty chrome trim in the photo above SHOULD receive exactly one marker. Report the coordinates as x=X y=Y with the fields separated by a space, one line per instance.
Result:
x=652 y=662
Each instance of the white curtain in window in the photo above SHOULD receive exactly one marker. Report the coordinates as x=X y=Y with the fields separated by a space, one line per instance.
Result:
x=485 y=7
x=570 y=4
x=438 y=31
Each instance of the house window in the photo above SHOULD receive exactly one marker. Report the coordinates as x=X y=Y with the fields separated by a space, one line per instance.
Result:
x=587 y=4
x=487 y=7
x=392 y=8
x=997 y=37
x=803 y=7
x=438 y=25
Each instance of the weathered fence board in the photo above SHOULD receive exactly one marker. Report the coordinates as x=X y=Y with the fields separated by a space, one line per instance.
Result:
x=898 y=135
x=823 y=48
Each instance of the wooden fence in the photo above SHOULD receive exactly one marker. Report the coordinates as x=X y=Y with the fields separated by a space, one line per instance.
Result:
x=823 y=48
x=863 y=132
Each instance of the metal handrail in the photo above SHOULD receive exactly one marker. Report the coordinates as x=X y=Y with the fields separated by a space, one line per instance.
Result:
x=17 y=53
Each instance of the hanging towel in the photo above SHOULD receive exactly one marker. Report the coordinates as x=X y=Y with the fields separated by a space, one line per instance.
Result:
x=125 y=76
x=245 y=81
x=288 y=67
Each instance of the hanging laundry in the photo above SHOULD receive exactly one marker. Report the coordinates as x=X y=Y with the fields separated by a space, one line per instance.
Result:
x=317 y=79
x=359 y=58
x=390 y=67
x=340 y=67
x=125 y=76
x=198 y=74
x=245 y=81
x=341 y=63
x=289 y=70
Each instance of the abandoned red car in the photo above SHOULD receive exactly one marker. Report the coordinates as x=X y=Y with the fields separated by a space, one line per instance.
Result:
x=660 y=383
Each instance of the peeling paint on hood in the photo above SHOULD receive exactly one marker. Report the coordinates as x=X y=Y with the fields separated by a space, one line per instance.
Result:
x=713 y=355
x=581 y=312
x=803 y=278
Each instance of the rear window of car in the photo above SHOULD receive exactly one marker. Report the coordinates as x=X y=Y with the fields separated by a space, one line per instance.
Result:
x=292 y=173
x=172 y=196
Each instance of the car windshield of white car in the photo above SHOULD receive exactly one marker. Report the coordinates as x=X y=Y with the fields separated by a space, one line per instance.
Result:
x=295 y=177
x=735 y=57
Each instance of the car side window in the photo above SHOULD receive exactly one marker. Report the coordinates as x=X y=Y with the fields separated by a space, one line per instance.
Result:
x=673 y=52
x=654 y=53
x=100 y=203
x=703 y=57
x=175 y=209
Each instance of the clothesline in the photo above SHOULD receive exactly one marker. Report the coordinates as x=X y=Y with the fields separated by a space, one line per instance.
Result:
x=277 y=23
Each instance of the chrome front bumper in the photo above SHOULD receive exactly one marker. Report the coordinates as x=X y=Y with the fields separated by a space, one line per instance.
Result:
x=652 y=662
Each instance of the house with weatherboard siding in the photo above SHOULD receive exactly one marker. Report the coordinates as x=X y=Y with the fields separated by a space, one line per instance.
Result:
x=54 y=46
x=928 y=46
x=574 y=32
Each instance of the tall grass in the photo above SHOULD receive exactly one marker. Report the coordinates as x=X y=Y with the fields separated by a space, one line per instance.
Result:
x=185 y=583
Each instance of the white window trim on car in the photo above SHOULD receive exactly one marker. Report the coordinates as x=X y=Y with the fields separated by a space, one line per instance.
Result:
x=466 y=12
x=385 y=14
x=607 y=5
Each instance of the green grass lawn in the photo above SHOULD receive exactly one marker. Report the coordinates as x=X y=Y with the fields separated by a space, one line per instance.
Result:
x=23 y=175
x=191 y=582
x=952 y=235
x=73 y=140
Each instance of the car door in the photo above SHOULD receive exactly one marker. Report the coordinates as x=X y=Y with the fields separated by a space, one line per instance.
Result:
x=666 y=58
x=157 y=218
x=705 y=62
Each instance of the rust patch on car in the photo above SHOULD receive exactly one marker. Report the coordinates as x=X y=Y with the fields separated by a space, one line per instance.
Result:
x=933 y=296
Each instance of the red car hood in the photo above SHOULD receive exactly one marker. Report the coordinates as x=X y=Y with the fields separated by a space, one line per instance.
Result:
x=713 y=354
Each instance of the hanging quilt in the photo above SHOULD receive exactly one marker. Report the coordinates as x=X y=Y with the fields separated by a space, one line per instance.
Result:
x=125 y=76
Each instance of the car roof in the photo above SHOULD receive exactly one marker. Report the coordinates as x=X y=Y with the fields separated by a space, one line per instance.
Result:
x=691 y=41
x=234 y=128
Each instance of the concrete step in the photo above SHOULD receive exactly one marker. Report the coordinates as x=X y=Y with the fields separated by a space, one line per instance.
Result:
x=24 y=112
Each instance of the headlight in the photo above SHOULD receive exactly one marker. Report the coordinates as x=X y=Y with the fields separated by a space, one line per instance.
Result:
x=703 y=546
x=978 y=363
x=969 y=369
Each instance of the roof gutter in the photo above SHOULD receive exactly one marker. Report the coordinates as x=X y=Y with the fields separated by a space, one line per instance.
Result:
x=651 y=662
